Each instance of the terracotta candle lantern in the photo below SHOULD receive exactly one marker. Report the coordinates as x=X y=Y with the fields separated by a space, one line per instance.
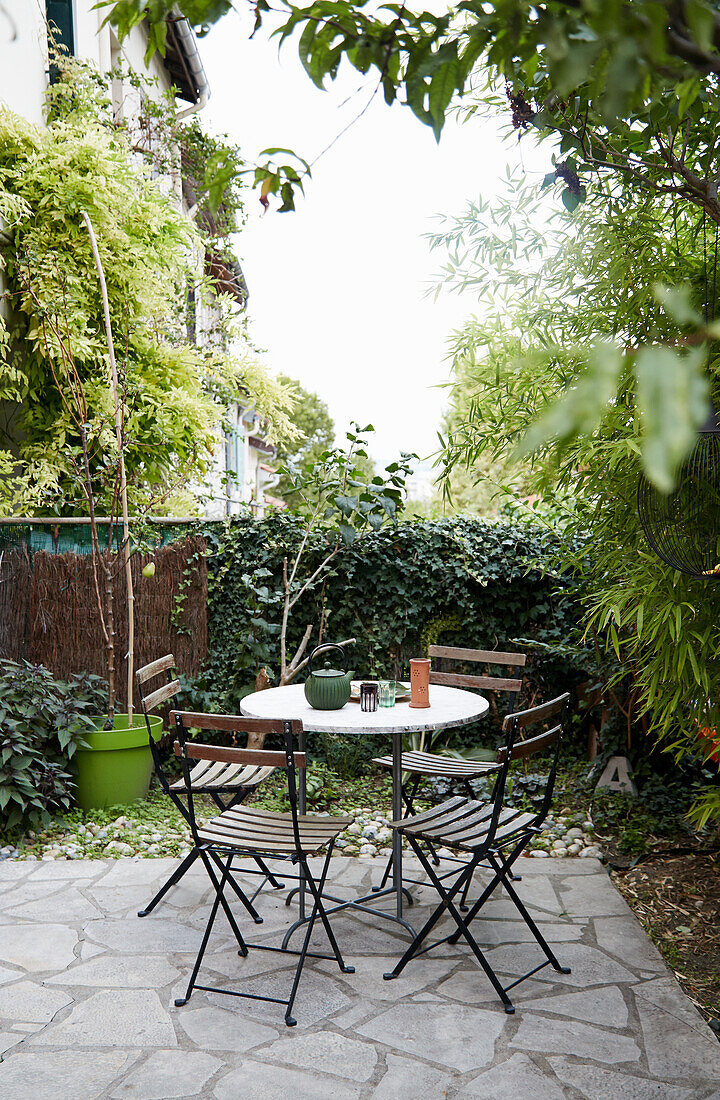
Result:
x=419 y=682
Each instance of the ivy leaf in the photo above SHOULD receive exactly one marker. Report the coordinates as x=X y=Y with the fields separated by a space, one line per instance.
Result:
x=673 y=393
x=347 y=533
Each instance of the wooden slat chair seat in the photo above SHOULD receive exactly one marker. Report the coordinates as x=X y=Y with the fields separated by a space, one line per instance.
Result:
x=207 y=777
x=245 y=830
x=431 y=764
x=465 y=824
x=270 y=831
x=228 y=784
x=490 y=832
x=417 y=766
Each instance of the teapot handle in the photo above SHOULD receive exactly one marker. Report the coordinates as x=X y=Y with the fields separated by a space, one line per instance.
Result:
x=326 y=646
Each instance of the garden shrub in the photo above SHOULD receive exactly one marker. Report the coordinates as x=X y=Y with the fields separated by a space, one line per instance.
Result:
x=42 y=721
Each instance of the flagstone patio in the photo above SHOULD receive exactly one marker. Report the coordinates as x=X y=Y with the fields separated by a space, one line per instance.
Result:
x=87 y=989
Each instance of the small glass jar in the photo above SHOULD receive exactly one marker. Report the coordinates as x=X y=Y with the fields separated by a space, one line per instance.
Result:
x=386 y=693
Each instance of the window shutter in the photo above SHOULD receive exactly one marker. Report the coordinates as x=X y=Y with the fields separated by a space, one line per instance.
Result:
x=60 y=21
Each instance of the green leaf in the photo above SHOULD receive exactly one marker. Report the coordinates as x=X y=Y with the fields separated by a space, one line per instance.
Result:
x=675 y=300
x=348 y=534
x=582 y=408
x=672 y=395
x=701 y=21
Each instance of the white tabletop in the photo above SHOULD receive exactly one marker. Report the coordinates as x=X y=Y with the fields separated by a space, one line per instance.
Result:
x=448 y=707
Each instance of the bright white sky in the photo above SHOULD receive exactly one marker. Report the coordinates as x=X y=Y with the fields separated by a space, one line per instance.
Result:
x=337 y=290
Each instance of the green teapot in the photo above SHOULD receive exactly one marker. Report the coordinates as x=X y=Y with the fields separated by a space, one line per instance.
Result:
x=328 y=688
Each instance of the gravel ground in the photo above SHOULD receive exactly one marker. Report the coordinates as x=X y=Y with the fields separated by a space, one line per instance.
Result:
x=154 y=828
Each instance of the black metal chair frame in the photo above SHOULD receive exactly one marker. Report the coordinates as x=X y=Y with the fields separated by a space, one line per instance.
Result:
x=500 y=845
x=238 y=794
x=450 y=679
x=290 y=761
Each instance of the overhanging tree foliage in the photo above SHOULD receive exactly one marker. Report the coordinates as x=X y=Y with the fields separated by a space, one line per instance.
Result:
x=596 y=272
x=627 y=88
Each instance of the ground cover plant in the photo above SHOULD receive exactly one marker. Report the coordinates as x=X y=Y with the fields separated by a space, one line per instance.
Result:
x=42 y=721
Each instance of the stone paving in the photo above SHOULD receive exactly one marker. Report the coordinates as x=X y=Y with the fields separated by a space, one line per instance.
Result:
x=87 y=990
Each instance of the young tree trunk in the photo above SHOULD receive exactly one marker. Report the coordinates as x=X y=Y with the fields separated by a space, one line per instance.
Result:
x=121 y=462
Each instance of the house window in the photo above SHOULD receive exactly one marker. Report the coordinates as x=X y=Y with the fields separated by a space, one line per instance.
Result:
x=234 y=467
x=61 y=27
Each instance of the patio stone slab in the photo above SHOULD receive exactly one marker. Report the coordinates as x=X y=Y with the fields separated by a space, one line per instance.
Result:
x=517 y=1077
x=114 y=1018
x=63 y=871
x=584 y=1040
x=62 y=1075
x=596 y=1006
x=91 y=1014
x=156 y=935
x=168 y=1074
x=626 y=940
x=439 y=1033
x=8 y=975
x=663 y=993
x=9 y=1039
x=472 y=987
x=14 y=894
x=255 y=1081
x=327 y=1052
x=601 y=1084
x=589 y=897
x=318 y=998
x=74 y=907
x=123 y=972
x=404 y=1078
x=38 y=948
x=675 y=1050
x=588 y=966
x=31 y=1002
x=213 y=1028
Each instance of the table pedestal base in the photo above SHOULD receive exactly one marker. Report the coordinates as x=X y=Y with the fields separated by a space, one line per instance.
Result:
x=351 y=903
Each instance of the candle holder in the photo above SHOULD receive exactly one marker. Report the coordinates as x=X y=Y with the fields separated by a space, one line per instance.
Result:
x=369 y=697
x=419 y=682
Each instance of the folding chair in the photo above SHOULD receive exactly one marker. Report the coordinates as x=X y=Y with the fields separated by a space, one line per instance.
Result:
x=243 y=831
x=419 y=765
x=226 y=784
x=487 y=831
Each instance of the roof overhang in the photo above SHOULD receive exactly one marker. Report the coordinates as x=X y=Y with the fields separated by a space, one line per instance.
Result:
x=182 y=60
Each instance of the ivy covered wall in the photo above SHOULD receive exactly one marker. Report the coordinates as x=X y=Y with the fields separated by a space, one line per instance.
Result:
x=461 y=581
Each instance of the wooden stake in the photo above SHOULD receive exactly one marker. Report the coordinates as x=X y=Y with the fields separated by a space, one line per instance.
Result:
x=121 y=460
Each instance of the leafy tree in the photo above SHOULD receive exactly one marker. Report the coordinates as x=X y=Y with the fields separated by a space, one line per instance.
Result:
x=336 y=501
x=174 y=394
x=311 y=417
x=549 y=386
x=626 y=89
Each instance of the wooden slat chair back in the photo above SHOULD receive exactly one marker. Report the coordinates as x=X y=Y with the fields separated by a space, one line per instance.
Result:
x=227 y=783
x=478 y=681
x=491 y=832
x=263 y=834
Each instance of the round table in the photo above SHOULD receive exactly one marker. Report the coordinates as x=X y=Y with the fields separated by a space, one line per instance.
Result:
x=448 y=707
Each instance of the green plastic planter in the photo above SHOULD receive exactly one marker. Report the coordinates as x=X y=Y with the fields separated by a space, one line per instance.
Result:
x=116 y=766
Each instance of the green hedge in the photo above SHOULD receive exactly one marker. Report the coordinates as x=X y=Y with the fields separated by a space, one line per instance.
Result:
x=461 y=581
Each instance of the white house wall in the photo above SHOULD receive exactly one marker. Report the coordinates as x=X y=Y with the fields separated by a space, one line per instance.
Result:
x=23 y=60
